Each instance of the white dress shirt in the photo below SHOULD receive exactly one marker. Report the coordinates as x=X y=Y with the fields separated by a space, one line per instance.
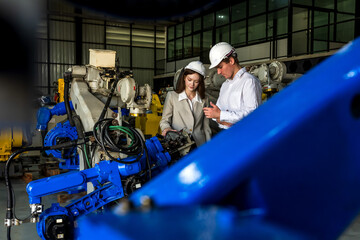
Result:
x=238 y=97
x=197 y=98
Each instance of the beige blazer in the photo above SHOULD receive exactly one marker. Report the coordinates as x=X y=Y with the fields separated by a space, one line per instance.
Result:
x=178 y=115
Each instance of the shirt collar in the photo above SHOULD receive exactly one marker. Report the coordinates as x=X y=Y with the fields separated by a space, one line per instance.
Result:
x=183 y=96
x=237 y=75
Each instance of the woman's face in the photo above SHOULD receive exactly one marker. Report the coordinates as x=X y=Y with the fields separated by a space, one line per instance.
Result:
x=192 y=82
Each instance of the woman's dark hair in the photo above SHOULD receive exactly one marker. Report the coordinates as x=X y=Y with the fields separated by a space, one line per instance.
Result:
x=180 y=86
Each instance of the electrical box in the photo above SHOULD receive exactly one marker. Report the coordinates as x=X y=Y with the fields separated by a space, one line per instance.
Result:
x=102 y=58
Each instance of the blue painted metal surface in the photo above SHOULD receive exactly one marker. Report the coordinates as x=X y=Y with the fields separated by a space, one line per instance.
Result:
x=44 y=114
x=295 y=159
x=107 y=178
x=69 y=157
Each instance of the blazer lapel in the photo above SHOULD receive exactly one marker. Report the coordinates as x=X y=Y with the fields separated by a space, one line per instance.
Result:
x=187 y=114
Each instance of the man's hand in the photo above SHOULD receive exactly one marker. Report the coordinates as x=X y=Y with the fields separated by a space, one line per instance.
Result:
x=212 y=112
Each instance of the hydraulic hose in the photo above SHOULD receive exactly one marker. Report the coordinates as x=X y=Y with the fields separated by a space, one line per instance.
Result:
x=10 y=199
x=67 y=79
x=102 y=115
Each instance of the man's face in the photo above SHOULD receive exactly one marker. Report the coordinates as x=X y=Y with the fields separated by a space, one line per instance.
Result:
x=226 y=69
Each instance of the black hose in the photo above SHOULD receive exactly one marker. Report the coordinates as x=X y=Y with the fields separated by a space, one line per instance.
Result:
x=102 y=115
x=106 y=142
x=81 y=135
x=10 y=198
x=9 y=233
x=67 y=79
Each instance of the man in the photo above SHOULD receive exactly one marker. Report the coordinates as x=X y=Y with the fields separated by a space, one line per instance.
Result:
x=239 y=95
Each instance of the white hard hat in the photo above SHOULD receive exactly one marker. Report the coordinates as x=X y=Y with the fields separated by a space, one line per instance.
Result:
x=219 y=52
x=196 y=66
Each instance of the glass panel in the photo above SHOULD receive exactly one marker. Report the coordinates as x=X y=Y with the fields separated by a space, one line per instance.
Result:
x=238 y=11
x=257 y=28
x=207 y=40
x=345 y=31
x=196 y=44
x=171 y=50
x=320 y=46
x=187 y=47
x=300 y=18
x=346 y=6
x=344 y=17
x=171 y=31
x=222 y=34
x=320 y=18
x=276 y=4
x=208 y=21
x=178 y=48
x=321 y=33
x=256 y=7
x=279 y=18
x=299 y=41
x=187 y=29
x=238 y=33
x=197 y=24
x=179 y=30
x=303 y=2
x=324 y=4
x=222 y=17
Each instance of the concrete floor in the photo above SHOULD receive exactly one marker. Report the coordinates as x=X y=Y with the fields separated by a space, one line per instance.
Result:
x=28 y=230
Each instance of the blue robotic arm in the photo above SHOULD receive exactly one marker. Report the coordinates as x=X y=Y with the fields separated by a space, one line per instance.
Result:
x=112 y=180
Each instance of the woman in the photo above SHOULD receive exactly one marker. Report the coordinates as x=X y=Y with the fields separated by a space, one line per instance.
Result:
x=183 y=107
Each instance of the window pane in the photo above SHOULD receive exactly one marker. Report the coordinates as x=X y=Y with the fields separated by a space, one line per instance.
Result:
x=300 y=18
x=179 y=30
x=209 y=21
x=257 y=28
x=179 y=48
x=222 y=34
x=346 y=6
x=279 y=18
x=256 y=7
x=238 y=11
x=222 y=17
x=325 y=4
x=238 y=33
x=207 y=40
x=197 y=24
x=344 y=17
x=303 y=2
x=171 y=31
x=321 y=33
x=345 y=31
x=171 y=50
x=320 y=18
x=187 y=47
x=276 y=4
x=196 y=44
x=187 y=28
x=299 y=43
x=320 y=46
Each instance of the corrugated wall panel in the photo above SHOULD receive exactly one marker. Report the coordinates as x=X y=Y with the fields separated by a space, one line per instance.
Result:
x=143 y=57
x=62 y=52
x=144 y=76
x=41 y=51
x=62 y=30
x=93 y=33
x=122 y=54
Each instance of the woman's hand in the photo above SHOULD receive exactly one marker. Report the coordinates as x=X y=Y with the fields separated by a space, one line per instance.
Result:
x=167 y=130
